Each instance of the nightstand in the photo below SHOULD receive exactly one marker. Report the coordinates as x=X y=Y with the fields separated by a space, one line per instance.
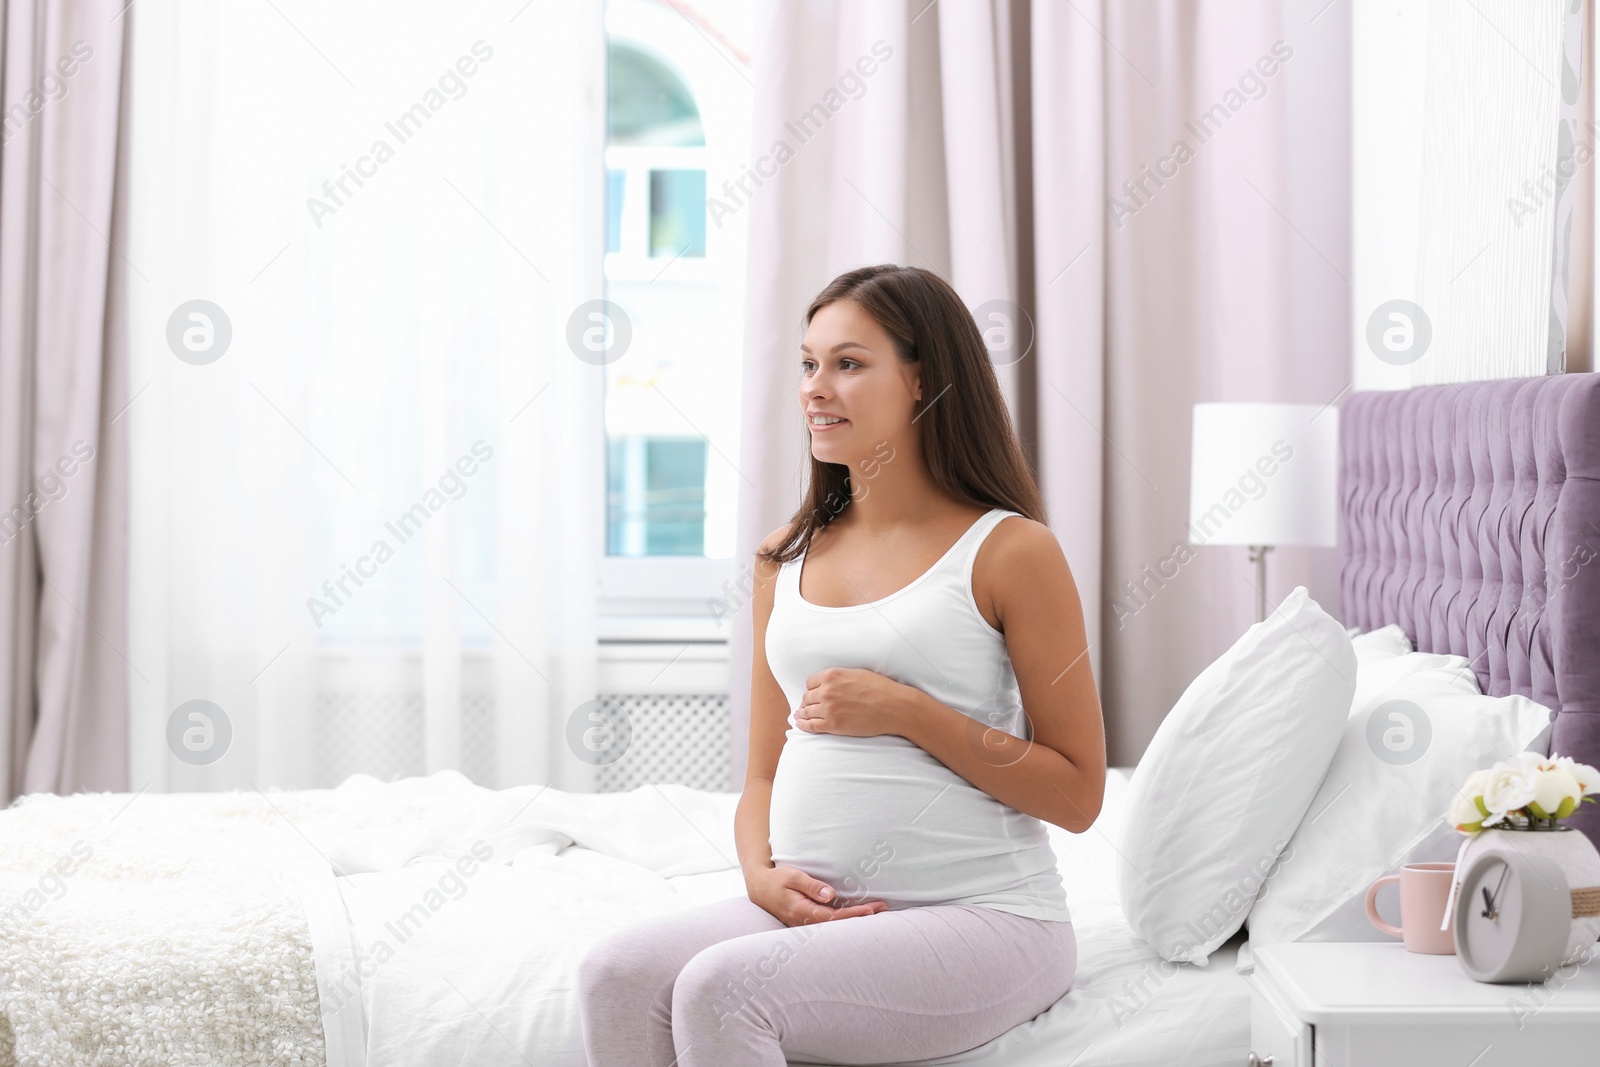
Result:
x=1373 y=1004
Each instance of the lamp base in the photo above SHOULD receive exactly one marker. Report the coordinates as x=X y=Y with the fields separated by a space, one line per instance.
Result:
x=1258 y=556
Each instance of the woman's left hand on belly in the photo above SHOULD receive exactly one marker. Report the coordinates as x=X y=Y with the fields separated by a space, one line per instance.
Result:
x=853 y=702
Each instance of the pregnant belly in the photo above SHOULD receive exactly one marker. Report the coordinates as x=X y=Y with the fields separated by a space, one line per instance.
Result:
x=878 y=818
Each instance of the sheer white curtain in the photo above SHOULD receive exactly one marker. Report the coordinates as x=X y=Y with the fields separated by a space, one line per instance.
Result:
x=367 y=530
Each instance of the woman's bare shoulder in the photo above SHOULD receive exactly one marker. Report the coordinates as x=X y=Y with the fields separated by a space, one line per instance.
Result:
x=1018 y=533
x=776 y=538
x=1012 y=561
x=765 y=570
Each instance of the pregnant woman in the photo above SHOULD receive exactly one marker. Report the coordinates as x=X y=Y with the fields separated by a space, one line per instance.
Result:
x=921 y=699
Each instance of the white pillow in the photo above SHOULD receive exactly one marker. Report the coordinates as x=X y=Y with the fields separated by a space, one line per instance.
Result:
x=1384 y=658
x=1381 y=643
x=1382 y=806
x=1228 y=776
x=1374 y=677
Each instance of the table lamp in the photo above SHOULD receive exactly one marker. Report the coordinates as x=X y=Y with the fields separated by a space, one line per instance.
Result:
x=1262 y=475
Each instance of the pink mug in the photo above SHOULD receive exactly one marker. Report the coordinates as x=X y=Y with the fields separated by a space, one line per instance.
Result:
x=1424 y=890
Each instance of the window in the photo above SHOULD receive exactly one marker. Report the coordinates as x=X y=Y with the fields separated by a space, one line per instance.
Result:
x=678 y=118
x=616 y=182
x=656 y=494
x=656 y=209
x=648 y=104
x=679 y=114
x=677 y=212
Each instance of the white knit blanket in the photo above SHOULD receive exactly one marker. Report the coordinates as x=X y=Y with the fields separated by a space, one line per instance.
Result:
x=153 y=929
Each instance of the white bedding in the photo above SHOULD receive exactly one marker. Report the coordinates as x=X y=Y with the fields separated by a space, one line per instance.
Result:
x=210 y=928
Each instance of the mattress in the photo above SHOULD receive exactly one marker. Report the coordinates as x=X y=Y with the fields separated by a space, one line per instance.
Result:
x=430 y=920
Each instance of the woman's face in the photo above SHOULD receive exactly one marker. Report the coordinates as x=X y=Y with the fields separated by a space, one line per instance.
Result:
x=849 y=368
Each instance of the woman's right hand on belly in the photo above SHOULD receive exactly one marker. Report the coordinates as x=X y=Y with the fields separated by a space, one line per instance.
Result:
x=796 y=899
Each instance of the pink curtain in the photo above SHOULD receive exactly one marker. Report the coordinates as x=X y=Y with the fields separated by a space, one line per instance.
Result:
x=991 y=142
x=64 y=678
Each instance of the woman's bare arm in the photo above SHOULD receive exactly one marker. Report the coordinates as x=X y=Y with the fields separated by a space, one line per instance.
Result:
x=1059 y=775
x=769 y=713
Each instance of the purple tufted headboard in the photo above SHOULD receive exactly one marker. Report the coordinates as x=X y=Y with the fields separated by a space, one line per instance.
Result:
x=1470 y=515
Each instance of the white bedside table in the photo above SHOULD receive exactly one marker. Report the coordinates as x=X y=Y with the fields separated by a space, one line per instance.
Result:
x=1373 y=1004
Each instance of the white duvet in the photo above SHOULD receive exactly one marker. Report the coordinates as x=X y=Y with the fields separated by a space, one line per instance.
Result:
x=214 y=928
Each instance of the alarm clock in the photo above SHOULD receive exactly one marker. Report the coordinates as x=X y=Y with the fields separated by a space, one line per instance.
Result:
x=1511 y=920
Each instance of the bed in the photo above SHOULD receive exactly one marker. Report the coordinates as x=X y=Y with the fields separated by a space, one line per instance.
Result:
x=215 y=923
x=429 y=920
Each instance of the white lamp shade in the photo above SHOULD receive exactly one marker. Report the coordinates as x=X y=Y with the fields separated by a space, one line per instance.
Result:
x=1264 y=474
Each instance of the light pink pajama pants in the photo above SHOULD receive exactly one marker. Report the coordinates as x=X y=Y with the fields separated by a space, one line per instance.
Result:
x=727 y=985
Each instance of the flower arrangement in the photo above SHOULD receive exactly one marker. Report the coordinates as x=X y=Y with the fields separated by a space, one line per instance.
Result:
x=1526 y=792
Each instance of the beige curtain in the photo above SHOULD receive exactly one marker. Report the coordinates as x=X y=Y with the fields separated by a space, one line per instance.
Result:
x=1580 y=268
x=991 y=143
x=64 y=678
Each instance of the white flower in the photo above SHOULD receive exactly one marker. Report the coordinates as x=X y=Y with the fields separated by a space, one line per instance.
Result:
x=1509 y=787
x=1587 y=777
x=1552 y=786
x=1463 y=811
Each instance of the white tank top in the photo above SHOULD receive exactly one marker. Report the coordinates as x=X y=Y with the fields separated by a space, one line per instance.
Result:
x=879 y=818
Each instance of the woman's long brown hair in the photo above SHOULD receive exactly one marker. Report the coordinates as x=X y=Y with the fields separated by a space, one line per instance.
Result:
x=968 y=440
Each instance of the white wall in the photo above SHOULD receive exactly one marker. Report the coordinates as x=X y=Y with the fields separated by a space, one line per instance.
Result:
x=1460 y=112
